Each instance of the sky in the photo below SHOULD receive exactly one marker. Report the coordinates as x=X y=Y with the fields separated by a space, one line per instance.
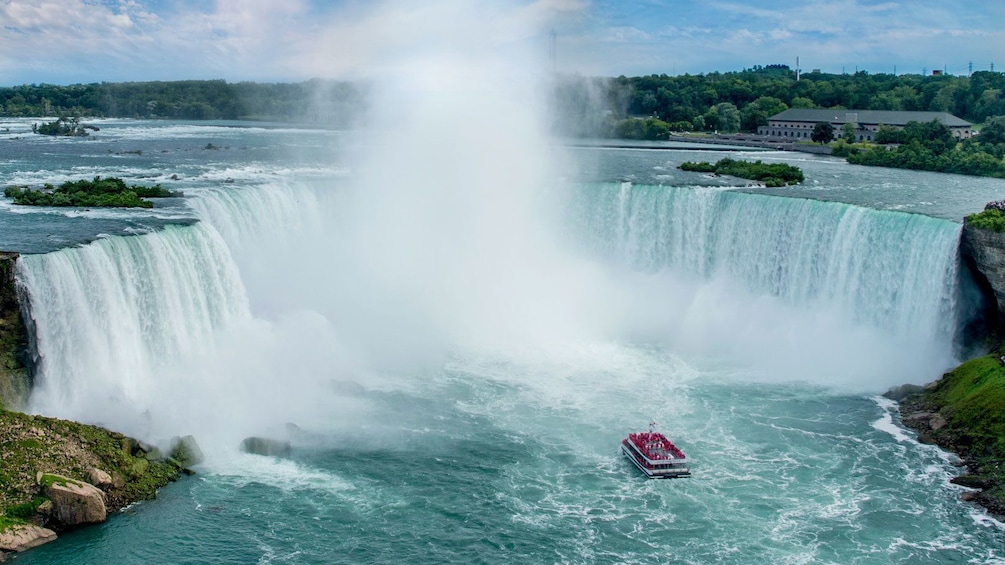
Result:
x=83 y=41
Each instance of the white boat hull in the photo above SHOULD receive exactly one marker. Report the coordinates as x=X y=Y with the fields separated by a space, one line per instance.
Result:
x=657 y=471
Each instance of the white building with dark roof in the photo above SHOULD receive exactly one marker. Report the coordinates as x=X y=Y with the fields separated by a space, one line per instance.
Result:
x=798 y=123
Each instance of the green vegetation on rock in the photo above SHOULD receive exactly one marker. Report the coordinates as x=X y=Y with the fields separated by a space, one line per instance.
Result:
x=109 y=192
x=26 y=510
x=969 y=405
x=67 y=127
x=990 y=219
x=773 y=174
x=31 y=444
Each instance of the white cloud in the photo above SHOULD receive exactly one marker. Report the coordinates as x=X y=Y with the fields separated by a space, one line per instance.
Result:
x=625 y=34
x=253 y=39
x=89 y=40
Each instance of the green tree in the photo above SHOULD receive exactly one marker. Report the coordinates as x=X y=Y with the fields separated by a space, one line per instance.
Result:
x=823 y=132
x=993 y=131
x=802 y=102
x=848 y=132
x=723 y=117
x=887 y=134
x=756 y=113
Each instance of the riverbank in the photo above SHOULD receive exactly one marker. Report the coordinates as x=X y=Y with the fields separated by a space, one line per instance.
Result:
x=38 y=451
x=964 y=412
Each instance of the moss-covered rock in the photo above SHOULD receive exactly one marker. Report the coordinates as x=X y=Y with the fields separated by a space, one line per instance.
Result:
x=964 y=412
x=68 y=452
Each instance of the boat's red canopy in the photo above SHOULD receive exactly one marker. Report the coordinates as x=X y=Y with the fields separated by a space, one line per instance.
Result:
x=655 y=445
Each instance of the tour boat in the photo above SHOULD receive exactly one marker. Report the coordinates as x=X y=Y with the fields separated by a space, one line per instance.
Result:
x=655 y=455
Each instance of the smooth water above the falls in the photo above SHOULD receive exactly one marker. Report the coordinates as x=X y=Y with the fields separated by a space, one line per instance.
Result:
x=460 y=371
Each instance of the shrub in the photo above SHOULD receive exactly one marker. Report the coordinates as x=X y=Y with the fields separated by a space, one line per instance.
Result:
x=992 y=218
x=109 y=192
x=773 y=175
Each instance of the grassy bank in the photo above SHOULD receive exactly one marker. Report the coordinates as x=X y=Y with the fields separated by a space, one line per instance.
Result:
x=29 y=444
x=967 y=408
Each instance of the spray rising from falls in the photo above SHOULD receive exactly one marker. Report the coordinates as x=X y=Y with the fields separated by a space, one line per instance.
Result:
x=445 y=238
x=153 y=335
x=109 y=317
x=246 y=319
x=823 y=288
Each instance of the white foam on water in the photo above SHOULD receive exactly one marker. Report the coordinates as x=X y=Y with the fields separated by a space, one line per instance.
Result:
x=885 y=422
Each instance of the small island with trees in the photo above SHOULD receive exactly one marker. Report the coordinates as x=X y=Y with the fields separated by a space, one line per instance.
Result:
x=772 y=175
x=67 y=127
x=111 y=192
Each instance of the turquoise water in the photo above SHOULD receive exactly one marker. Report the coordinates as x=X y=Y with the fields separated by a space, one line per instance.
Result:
x=460 y=362
x=477 y=470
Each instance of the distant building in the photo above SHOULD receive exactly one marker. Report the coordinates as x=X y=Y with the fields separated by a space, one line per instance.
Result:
x=798 y=122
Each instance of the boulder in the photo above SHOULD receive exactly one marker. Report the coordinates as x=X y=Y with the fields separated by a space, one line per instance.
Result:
x=73 y=502
x=901 y=392
x=933 y=420
x=265 y=446
x=25 y=536
x=186 y=451
x=971 y=481
x=99 y=478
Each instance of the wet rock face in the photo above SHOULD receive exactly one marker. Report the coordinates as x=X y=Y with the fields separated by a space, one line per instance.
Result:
x=15 y=378
x=983 y=251
x=186 y=451
x=266 y=446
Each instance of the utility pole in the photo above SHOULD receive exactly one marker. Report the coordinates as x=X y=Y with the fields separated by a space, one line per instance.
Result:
x=553 y=51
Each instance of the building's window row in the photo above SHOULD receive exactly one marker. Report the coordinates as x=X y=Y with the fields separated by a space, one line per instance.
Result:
x=864 y=133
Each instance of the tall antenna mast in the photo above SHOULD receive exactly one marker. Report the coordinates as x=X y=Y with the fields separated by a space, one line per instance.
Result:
x=553 y=51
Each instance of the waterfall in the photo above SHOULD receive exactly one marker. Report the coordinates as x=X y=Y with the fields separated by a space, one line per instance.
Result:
x=890 y=274
x=112 y=316
x=241 y=319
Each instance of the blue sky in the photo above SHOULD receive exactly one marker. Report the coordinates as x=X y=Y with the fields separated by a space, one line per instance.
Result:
x=69 y=41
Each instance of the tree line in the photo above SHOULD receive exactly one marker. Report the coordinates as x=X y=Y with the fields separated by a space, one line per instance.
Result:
x=645 y=107
x=931 y=146
x=649 y=107
x=333 y=102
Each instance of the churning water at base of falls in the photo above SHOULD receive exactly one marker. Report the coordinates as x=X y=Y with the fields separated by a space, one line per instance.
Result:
x=451 y=407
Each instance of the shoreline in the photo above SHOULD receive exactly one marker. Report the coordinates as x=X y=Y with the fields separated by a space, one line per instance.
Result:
x=949 y=413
